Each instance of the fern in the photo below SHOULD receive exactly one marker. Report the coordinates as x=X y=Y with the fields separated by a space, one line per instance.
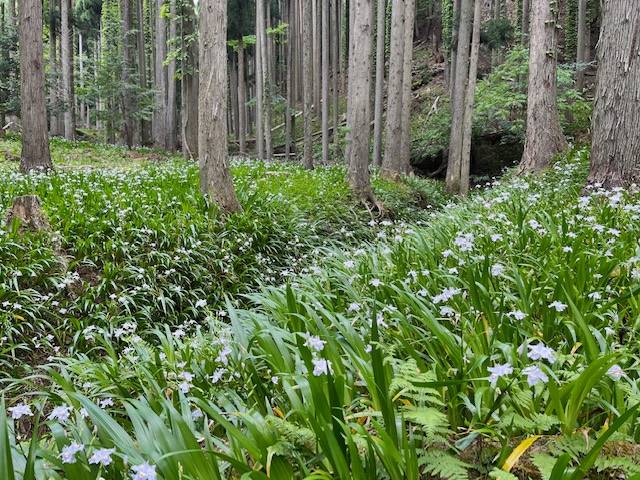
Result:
x=444 y=465
x=544 y=463
x=538 y=422
x=408 y=383
x=617 y=464
x=499 y=474
x=434 y=426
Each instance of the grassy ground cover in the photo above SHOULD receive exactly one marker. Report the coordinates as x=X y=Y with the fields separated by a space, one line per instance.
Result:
x=498 y=340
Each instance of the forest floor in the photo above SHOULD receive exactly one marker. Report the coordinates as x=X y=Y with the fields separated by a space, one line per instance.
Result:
x=490 y=337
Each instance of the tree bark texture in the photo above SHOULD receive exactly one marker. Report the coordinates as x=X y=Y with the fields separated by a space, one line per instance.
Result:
x=127 y=67
x=66 y=42
x=324 y=5
x=35 y=142
x=407 y=95
x=377 y=109
x=307 y=81
x=615 y=149
x=544 y=138
x=215 y=177
x=190 y=81
x=581 y=54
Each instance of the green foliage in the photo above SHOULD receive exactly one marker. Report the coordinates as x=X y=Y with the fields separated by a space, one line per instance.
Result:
x=497 y=33
x=407 y=357
x=9 y=71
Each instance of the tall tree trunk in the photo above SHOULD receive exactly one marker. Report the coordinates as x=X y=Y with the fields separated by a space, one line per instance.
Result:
x=189 y=113
x=525 y=21
x=53 y=73
x=233 y=97
x=458 y=98
x=266 y=84
x=581 y=54
x=160 y=111
x=289 y=80
x=317 y=61
x=457 y=7
x=377 y=109
x=171 y=103
x=307 y=81
x=544 y=138
x=33 y=113
x=215 y=177
x=127 y=64
x=142 y=67
x=242 y=102
x=66 y=39
x=392 y=166
x=324 y=5
x=465 y=165
x=81 y=71
x=407 y=94
x=359 y=103
x=615 y=148
x=259 y=80
x=335 y=65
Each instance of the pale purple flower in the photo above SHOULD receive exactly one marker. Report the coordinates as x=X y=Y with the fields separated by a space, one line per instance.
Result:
x=314 y=343
x=19 y=411
x=68 y=454
x=144 y=471
x=535 y=375
x=497 y=270
x=558 y=306
x=517 y=314
x=615 y=372
x=102 y=456
x=321 y=367
x=540 y=351
x=499 y=370
x=61 y=413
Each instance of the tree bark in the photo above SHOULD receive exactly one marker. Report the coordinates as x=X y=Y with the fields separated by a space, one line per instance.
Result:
x=265 y=50
x=35 y=142
x=324 y=5
x=458 y=98
x=392 y=164
x=215 y=177
x=407 y=95
x=289 y=80
x=465 y=165
x=53 y=74
x=160 y=102
x=581 y=54
x=171 y=103
x=242 y=102
x=335 y=65
x=307 y=81
x=66 y=39
x=142 y=67
x=190 y=85
x=615 y=148
x=259 y=80
x=127 y=66
x=525 y=21
x=377 y=109
x=359 y=103
x=544 y=138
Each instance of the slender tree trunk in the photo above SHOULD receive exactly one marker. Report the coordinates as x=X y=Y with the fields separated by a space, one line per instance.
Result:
x=142 y=67
x=407 y=79
x=33 y=113
x=457 y=6
x=233 y=97
x=53 y=73
x=324 y=5
x=465 y=166
x=359 y=103
x=127 y=61
x=581 y=56
x=615 y=148
x=335 y=61
x=377 y=115
x=544 y=138
x=392 y=164
x=307 y=81
x=259 y=80
x=81 y=68
x=171 y=103
x=525 y=21
x=458 y=98
x=242 y=102
x=66 y=38
x=317 y=61
x=289 y=73
x=266 y=84
x=215 y=177
x=160 y=103
x=190 y=85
